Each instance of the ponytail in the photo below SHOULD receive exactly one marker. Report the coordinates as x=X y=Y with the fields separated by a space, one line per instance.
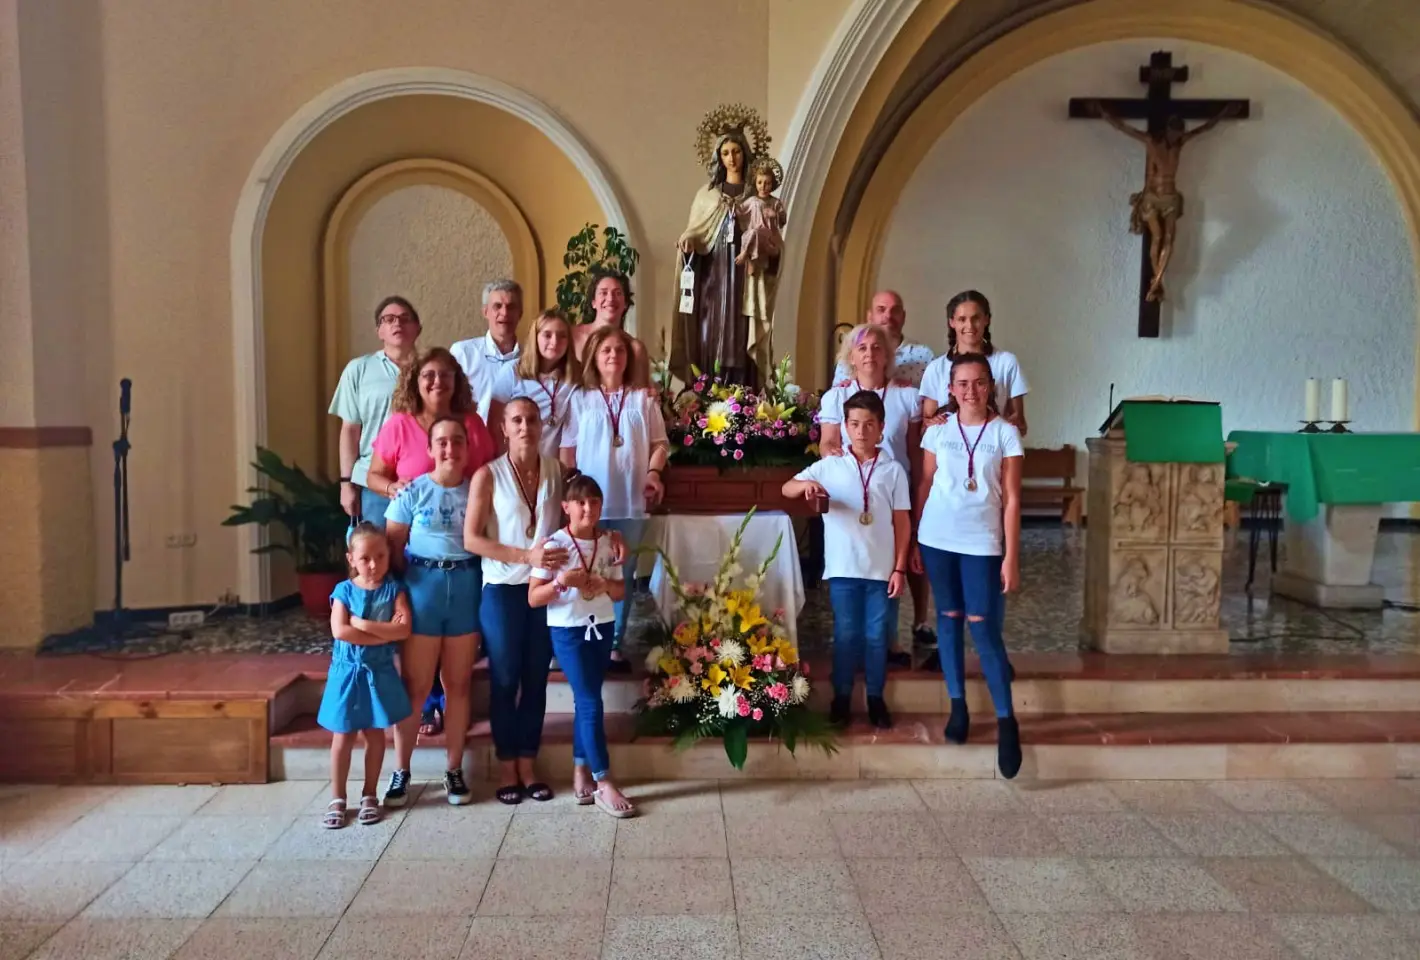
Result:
x=978 y=298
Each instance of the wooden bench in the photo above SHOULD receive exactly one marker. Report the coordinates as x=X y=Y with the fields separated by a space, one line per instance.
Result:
x=1048 y=478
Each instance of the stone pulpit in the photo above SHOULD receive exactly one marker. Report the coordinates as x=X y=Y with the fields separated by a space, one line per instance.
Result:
x=1154 y=540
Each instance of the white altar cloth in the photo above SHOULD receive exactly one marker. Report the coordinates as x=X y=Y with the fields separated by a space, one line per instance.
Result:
x=697 y=544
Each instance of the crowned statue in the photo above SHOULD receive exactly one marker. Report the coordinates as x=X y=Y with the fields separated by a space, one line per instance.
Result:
x=729 y=253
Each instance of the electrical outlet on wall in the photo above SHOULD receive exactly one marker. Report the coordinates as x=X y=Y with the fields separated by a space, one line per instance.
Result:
x=185 y=619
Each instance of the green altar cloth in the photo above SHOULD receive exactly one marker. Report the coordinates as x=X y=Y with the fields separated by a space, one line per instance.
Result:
x=1180 y=432
x=1335 y=468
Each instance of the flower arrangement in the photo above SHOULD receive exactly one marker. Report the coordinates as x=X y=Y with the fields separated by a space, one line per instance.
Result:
x=728 y=671
x=715 y=423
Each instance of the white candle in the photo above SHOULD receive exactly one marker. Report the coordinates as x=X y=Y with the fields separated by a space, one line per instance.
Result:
x=1313 y=401
x=1338 y=401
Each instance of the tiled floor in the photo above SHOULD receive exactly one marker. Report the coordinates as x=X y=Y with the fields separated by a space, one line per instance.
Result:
x=873 y=869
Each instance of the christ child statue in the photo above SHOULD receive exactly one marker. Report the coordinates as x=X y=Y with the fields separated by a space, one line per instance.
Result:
x=762 y=217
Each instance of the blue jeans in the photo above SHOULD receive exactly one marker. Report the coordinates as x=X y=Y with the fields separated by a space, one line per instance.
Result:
x=970 y=586
x=373 y=507
x=519 y=649
x=583 y=663
x=632 y=531
x=860 y=633
x=445 y=602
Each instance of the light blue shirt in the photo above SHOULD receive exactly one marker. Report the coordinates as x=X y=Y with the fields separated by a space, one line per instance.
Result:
x=363 y=397
x=434 y=515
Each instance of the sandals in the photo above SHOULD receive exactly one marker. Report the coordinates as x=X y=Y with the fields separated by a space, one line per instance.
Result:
x=605 y=806
x=334 y=817
x=539 y=791
x=431 y=723
x=584 y=799
x=510 y=794
x=369 y=814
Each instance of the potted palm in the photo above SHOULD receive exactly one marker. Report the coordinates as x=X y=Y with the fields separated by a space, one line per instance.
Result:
x=308 y=510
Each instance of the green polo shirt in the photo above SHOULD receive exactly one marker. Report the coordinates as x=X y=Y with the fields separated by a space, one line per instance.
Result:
x=363 y=397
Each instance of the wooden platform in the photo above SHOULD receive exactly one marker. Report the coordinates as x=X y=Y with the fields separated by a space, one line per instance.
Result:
x=246 y=719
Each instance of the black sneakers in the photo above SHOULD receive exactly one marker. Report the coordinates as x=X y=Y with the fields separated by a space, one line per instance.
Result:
x=455 y=789
x=398 y=793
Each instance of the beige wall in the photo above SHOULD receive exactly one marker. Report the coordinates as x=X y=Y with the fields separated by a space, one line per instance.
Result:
x=799 y=32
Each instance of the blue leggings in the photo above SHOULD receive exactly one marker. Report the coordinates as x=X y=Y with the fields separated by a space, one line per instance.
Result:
x=970 y=586
x=632 y=531
x=583 y=663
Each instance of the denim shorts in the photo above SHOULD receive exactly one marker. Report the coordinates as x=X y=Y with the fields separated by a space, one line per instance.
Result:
x=445 y=602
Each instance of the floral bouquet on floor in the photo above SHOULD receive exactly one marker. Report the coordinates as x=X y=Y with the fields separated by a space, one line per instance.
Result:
x=728 y=671
x=716 y=423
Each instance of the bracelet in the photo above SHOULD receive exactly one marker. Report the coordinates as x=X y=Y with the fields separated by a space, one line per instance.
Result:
x=346 y=480
x=903 y=572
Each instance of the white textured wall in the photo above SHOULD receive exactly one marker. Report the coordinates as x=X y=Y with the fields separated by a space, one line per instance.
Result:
x=1292 y=259
x=433 y=245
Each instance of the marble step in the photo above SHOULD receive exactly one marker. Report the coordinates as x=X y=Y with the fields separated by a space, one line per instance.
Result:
x=1099 y=746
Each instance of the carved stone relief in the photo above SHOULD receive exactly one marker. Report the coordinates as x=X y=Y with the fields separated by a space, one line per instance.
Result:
x=1137 y=588
x=1140 y=507
x=1199 y=513
x=1197 y=588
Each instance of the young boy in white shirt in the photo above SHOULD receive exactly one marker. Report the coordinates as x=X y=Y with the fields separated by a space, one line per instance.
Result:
x=866 y=535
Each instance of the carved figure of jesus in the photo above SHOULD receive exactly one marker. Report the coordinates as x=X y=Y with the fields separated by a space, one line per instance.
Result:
x=1158 y=206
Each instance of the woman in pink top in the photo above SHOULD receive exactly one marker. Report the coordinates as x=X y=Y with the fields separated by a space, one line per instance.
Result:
x=433 y=386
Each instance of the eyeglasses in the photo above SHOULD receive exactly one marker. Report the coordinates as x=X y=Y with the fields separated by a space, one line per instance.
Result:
x=396 y=319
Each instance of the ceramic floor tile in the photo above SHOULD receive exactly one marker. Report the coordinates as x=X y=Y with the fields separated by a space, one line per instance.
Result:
x=153 y=801
x=169 y=890
x=757 y=797
x=307 y=839
x=411 y=888
x=669 y=887
x=781 y=836
x=58 y=804
x=1075 y=936
x=786 y=887
x=870 y=796
x=1367 y=937
x=1209 y=936
x=968 y=796
x=928 y=934
x=807 y=938
x=116 y=940
x=296 y=888
x=1323 y=835
x=54 y=891
x=221 y=838
x=998 y=835
x=1162 y=886
x=1266 y=796
x=451 y=833
x=534 y=938
x=394 y=938
x=19 y=937
x=1283 y=885
x=1365 y=796
x=1166 y=796
x=1045 y=797
x=1109 y=835
x=671 y=835
x=685 y=938
x=1400 y=830
x=1392 y=885
x=416 y=797
x=588 y=834
x=547 y=887
x=282 y=798
x=19 y=837
x=675 y=796
x=888 y=835
x=97 y=838
x=224 y=938
x=902 y=885
x=1039 y=885
x=1219 y=834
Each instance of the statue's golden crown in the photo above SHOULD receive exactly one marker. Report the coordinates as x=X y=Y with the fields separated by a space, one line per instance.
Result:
x=731 y=118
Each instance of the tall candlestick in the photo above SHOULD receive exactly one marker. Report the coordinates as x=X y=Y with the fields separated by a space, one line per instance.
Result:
x=1313 y=413
x=1338 y=401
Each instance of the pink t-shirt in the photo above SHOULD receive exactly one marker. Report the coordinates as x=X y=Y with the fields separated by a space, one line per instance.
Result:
x=404 y=444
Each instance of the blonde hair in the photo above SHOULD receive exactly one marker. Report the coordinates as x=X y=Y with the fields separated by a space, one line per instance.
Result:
x=529 y=361
x=592 y=378
x=406 y=398
x=855 y=337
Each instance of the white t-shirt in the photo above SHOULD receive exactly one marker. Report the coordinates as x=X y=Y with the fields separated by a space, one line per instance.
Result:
x=903 y=407
x=955 y=518
x=620 y=471
x=492 y=375
x=909 y=363
x=552 y=395
x=508 y=520
x=1010 y=381
x=570 y=609
x=850 y=548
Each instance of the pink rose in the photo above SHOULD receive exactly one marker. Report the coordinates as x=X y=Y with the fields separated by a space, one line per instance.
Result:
x=739 y=438
x=758 y=714
x=793 y=430
x=723 y=451
x=779 y=423
x=699 y=386
x=697 y=668
x=742 y=706
x=739 y=454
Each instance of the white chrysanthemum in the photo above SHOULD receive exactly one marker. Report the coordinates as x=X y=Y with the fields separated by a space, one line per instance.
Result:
x=733 y=652
x=726 y=701
x=799 y=690
x=653 y=659
x=681 y=692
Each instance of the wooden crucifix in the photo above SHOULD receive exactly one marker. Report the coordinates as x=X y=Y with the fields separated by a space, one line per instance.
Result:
x=1155 y=209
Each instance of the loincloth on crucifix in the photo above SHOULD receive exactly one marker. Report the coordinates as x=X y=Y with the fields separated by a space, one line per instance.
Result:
x=1165 y=206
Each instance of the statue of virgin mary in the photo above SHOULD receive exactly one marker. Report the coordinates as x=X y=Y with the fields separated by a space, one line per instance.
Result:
x=717 y=325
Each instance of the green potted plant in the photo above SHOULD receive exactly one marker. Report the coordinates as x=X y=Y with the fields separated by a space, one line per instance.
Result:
x=586 y=254
x=308 y=510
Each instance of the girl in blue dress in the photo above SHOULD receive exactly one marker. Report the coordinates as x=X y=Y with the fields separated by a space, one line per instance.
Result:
x=369 y=614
